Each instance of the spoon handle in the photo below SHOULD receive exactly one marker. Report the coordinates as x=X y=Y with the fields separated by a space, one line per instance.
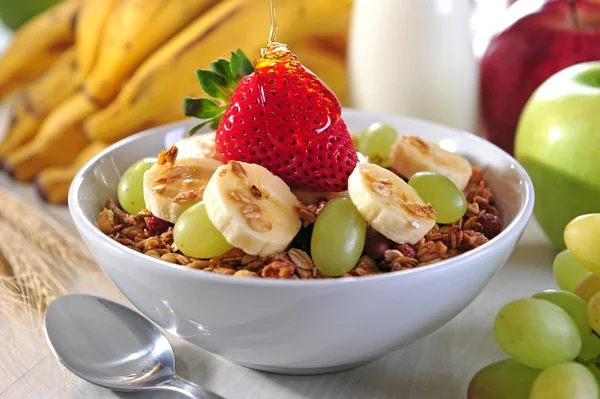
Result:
x=189 y=389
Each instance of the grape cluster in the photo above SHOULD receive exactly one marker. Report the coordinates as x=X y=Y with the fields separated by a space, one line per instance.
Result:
x=552 y=338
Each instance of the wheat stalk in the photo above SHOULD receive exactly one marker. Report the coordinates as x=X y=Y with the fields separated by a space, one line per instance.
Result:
x=35 y=279
x=43 y=231
x=38 y=259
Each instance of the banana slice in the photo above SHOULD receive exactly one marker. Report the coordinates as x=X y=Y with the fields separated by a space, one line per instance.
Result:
x=174 y=184
x=253 y=209
x=198 y=146
x=389 y=204
x=410 y=155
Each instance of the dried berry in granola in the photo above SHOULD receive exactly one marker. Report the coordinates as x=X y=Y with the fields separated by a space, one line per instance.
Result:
x=491 y=225
x=376 y=243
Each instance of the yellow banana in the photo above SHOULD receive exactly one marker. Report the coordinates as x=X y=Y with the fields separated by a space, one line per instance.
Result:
x=53 y=182
x=58 y=142
x=135 y=29
x=154 y=94
x=89 y=30
x=36 y=100
x=36 y=45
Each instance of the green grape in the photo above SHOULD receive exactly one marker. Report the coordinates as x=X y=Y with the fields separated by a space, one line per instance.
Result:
x=593 y=312
x=565 y=381
x=130 y=191
x=338 y=237
x=376 y=143
x=582 y=237
x=567 y=271
x=596 y=371
x=588 y=286
x=448 y=201
x=196 y=236
x=506 y=379
x=590 y=348
x=537 y=333
x=576 y=307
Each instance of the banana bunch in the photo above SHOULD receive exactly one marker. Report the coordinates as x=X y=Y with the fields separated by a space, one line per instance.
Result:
x=87 y=73
x=128 y=37
x=37 y=45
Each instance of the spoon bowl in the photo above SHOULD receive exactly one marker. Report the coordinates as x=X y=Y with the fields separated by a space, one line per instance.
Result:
x=113 y=346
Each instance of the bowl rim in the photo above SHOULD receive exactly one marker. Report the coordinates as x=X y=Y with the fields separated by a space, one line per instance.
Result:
x=515 y=227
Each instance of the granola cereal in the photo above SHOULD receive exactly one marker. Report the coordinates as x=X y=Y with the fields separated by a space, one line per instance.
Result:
x=479 y=224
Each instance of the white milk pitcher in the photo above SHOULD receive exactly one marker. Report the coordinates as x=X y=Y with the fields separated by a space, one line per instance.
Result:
x=414 y=58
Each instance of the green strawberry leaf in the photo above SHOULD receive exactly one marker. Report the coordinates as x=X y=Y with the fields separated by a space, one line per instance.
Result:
x=214 y=84
x=219 y=84
x=214 y=123
x=240 y=65
x=223 y=68
x=201 y=108
x=247 y=66
x=198 y=127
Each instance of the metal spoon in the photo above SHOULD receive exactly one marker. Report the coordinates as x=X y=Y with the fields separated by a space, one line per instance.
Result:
x=114 y=347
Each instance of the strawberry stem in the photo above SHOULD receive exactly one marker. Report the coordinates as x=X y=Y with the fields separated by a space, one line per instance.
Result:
x=219 y=84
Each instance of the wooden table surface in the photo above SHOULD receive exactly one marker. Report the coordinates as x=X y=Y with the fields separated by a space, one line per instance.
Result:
x=437 y=366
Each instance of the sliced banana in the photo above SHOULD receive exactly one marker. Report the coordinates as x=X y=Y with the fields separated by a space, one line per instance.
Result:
x=389 y=204
x=174 y=183
x=411 y=154
x=198 y=146
x=253 y=209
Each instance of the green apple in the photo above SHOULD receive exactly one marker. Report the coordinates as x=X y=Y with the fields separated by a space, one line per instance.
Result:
x=15 y=13
x=558 y=143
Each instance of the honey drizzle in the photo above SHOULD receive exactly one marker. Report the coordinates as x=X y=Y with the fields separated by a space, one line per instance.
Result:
x=273 y=32
x=273 y=51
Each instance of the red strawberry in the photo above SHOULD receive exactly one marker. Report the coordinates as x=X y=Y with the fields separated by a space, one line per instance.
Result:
x=285 y=118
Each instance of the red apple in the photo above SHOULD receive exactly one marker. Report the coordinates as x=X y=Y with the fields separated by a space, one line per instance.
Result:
x=549 y=37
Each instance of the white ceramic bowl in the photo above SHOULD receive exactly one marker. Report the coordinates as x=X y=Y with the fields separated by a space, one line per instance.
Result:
x=293 y=326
